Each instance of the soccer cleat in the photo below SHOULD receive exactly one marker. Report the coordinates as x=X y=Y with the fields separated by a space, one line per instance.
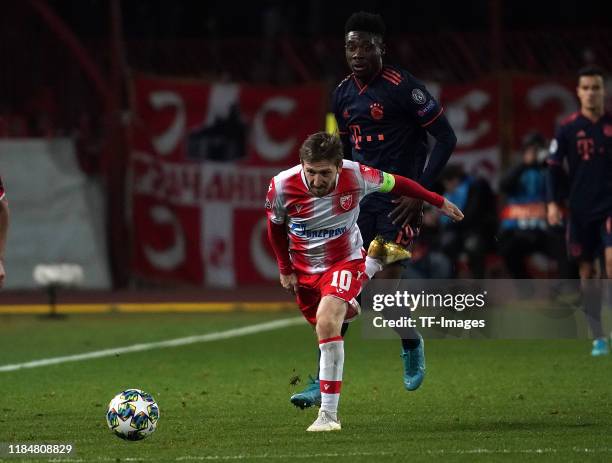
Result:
x=309 y=396
x=414 y=366
x=600 y=347
x=326 y=421
x=386 y=251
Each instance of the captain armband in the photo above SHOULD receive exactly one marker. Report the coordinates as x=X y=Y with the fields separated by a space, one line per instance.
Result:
x=388 y=183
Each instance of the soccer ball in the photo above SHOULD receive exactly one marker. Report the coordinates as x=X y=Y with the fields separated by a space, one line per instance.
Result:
x=132 y=414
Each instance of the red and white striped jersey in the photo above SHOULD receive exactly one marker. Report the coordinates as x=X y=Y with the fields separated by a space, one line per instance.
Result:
x=322 y=230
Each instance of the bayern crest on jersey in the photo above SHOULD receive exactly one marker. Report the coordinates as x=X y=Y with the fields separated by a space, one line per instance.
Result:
x=346 y=201
x=376 y=111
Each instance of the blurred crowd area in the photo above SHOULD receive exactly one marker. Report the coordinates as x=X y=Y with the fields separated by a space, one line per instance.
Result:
x=45 y=92
x=504 y=234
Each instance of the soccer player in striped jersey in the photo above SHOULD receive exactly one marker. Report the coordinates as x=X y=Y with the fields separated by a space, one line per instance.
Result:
x=312 y=213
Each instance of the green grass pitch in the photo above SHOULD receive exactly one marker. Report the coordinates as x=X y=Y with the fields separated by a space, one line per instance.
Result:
x=227 y=400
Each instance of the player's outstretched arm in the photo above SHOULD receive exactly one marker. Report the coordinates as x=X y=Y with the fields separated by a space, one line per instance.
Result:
x=399 y=185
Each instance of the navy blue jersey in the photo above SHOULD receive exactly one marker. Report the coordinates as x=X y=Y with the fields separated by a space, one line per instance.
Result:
x=386 y=120
x=587 y=147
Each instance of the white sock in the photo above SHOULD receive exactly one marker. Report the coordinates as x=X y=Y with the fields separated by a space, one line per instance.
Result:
x=372 y=266
x=330 y=373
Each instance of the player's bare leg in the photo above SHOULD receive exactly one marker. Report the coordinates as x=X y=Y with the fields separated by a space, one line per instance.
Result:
x=330 y=315
x=311 y=394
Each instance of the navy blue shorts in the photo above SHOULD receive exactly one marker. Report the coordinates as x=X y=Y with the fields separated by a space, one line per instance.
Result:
x=373 y=220
x=585 y=240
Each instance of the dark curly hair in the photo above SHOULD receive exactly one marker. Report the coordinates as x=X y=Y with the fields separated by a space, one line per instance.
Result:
x=366 y=22
x=591 y=71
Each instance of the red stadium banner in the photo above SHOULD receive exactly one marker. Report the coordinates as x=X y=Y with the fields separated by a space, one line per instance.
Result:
x=539 y=105
x=473 y=112
x=202 y=156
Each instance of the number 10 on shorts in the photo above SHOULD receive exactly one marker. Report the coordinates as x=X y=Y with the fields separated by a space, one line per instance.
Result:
x=342 y=279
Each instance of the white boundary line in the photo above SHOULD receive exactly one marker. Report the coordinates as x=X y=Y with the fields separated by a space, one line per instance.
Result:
x=233 y=333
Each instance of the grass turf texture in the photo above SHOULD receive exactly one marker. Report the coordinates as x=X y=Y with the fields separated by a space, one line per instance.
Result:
x=482 y=400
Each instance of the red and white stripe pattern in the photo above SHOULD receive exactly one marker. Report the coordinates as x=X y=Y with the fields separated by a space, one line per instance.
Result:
x=322 y=230
x=331 y=366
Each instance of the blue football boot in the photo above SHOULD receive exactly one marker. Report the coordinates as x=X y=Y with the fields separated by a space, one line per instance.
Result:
x=414 y=366
x=600 y=347
x=309 y=396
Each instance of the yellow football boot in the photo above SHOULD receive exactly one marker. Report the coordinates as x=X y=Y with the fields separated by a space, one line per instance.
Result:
x=386 y=251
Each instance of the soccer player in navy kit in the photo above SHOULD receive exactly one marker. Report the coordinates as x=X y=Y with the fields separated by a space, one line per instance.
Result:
x=384 y=115
x=584 y=142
